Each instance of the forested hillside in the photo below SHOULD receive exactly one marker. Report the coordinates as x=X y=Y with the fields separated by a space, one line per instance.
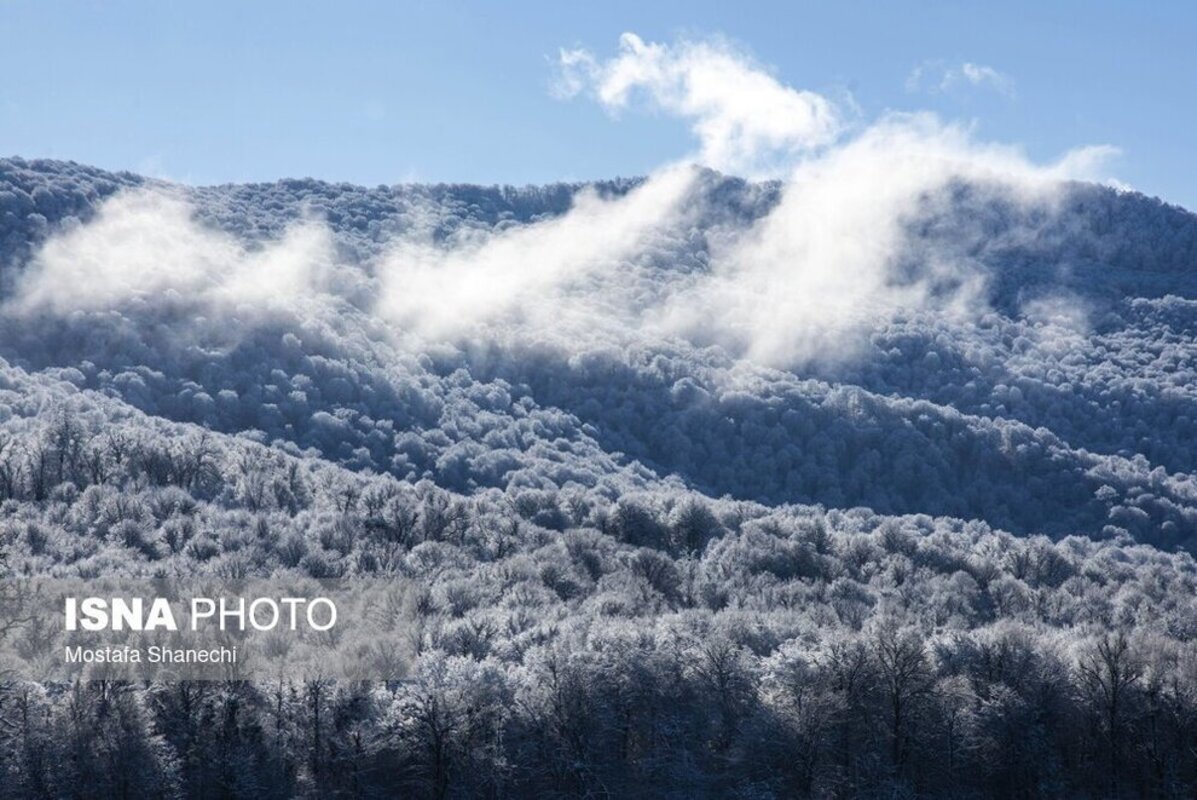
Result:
x=928 y=532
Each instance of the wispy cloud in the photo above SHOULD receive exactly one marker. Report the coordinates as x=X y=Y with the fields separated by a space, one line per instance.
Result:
x=146 y=244
x=807 y=281
x=545 y=275
x=741 y=115
x=938 y=77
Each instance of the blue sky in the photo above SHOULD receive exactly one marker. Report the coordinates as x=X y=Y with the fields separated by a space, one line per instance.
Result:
x=452 y=91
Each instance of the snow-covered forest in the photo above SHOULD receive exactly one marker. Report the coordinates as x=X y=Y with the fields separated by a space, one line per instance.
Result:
x=682 y=523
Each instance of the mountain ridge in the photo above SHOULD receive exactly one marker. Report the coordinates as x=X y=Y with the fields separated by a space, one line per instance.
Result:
x=989 y=418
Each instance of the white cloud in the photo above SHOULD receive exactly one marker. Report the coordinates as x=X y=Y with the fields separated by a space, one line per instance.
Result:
x=829 y=262
x=145 y=243
x=936 y=77
x=981 y=75
x=742 y=116
x=546 y=275
x=826 y=265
